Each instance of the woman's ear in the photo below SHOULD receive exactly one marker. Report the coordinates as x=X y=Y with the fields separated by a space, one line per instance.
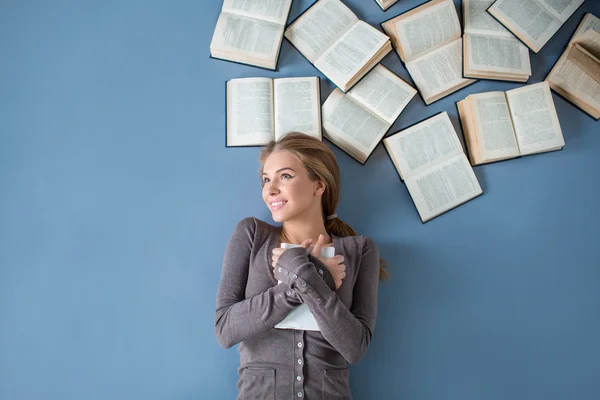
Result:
x=319 y=188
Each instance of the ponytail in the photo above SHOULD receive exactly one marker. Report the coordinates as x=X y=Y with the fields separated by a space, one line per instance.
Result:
x=341 y=229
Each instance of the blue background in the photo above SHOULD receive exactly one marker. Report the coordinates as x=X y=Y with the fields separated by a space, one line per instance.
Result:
x=118 y=196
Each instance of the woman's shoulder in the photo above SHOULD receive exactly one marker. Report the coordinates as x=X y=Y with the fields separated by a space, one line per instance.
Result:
x=359 y=243
x=253 y=226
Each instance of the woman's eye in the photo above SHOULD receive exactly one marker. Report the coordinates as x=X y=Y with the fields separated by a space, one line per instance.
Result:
x=285 y=176
x=265 y=180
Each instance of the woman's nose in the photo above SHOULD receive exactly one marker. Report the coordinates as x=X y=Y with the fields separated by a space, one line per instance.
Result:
x=272 y=187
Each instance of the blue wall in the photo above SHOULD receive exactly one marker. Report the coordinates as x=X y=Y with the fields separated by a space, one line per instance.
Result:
x=117 y=198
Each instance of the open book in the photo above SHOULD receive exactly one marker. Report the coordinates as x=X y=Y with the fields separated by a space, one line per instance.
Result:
x=337 y=43
x=301 y=318
x=263 y=109
x=432 y=164
x=250 y=31
x=356 y=121
x=534 y=21
x=428 y=39
x=576 y=74
x=385 y=4
x=503 y=125
x=490 y=51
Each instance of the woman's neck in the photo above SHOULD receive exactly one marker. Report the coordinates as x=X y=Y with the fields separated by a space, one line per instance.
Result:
x=298 y=231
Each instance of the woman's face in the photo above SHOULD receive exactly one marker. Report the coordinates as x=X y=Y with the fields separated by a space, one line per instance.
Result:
x=287 y=190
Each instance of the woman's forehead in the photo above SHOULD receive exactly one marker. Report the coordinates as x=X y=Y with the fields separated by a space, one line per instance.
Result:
x=282 y=159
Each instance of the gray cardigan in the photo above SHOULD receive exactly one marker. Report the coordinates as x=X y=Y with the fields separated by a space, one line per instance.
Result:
x=293 y=364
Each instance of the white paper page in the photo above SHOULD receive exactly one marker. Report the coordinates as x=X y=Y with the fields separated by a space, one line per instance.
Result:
x=249 y=37
x=590 y=41
x=561 y=9
x=271 y=10
x=350 y=53
x=351 y=126
x=494 y=129
x=385 y=4
x=443 y=187
x=534 y=118
x=528 y=19
x=496 y=54
x=439 y=70
x=478 y=21
x=468 y=129
x=590 y=21
x=301 y=318
x=423 y=145
x=321 y=26
x=572 y=79
x=424 y=31
x=297 y=106
x=383 y=92
x=585 y=60
x=250 y=111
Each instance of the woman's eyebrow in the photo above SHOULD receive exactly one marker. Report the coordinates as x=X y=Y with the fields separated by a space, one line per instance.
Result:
x=280 y=169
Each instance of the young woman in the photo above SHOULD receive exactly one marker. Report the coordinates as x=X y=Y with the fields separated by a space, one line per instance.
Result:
x=300 y=186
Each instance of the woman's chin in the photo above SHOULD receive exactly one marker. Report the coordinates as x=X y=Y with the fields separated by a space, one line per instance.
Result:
x=277 y=217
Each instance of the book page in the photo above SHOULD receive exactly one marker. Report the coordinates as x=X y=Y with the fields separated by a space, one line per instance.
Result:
x=468 y=127
x=271 y=10
x=561 y=9
x=496 y=54
x=297 y=106
x=249 y=111
x=351 y=126
x=534 y=118
x=443 y=187
x=590 y=21
x=590 y=41
x=319 y=27
x=439 y=70
x=477 y=20
x=383 y=92
x=567 y=79
x=528 y=20
x=426 y=30
x=385 y=4
x=245 y=36
x=423 y=145
x=350 y=53
x=586 y=61
x=571 y=81
x=494 y=129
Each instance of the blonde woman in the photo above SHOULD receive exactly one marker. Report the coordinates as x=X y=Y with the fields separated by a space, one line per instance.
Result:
x=300 y=186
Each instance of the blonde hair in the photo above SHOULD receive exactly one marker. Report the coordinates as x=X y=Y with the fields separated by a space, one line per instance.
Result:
x=321 y=164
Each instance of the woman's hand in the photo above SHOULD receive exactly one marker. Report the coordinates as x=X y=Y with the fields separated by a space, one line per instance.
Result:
x=277 y=251
x=334 y=264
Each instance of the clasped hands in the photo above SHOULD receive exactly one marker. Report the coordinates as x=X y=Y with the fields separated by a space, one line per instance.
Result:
x=334 y=264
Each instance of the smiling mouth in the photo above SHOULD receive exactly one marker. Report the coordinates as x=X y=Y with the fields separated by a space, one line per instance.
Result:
x=276 y=205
